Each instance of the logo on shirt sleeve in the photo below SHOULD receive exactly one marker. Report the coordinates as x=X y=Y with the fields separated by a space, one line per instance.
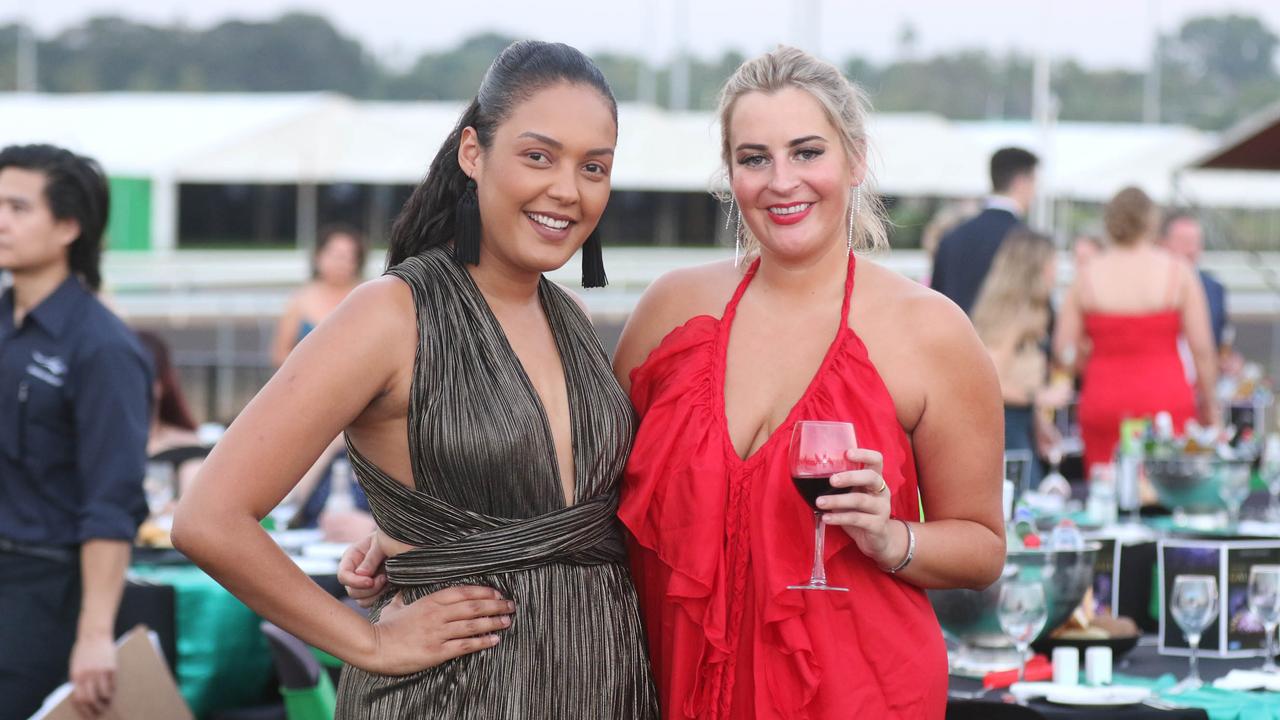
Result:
x=49 y=368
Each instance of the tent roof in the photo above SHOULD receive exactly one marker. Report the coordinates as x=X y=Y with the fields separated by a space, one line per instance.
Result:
x=323 y=138
x=1253 y=144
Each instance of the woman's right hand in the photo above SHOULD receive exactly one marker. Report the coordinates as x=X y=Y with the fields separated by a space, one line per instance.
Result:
x=439 y=627
x=361 y=571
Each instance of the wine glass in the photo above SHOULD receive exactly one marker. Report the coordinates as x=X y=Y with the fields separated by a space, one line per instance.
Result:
x=159 y=484
x=1270 y=471
x=1264 y=602
x=1194 y=608
x=1022 y=614
x=1233 y=488
x=817 y=452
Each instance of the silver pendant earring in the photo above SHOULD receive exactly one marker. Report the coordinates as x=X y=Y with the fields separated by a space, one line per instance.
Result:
x=737 y=239
x=728 y=218
x=854 y=208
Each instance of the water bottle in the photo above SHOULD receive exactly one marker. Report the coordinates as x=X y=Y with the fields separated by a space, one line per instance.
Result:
x=340 y=499
x=1101 y=505
x=1066 y=537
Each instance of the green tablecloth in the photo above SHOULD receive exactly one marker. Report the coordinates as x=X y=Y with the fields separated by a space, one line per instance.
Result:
x=223 y=659
x=1218 y=704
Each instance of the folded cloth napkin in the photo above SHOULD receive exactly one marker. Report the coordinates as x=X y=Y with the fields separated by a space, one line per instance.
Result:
x=1218 y=704
x=1248 y=680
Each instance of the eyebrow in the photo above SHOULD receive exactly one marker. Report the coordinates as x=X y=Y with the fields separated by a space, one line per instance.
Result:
x=557 y=145
x=793 y=143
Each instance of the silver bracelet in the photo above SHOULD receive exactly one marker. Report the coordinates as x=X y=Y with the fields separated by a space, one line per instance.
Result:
x=911 y=550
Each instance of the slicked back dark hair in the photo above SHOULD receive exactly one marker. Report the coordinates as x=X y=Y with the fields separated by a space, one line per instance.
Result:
x=521 y=70
x=75 y=188
x=1009 y=163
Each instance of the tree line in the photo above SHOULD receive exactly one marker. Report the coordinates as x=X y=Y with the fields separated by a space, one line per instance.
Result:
x=1213 y=71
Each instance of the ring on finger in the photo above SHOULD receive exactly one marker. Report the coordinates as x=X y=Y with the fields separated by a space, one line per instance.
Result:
x=883 y=486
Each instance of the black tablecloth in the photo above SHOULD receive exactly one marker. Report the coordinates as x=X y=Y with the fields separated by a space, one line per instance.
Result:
x=1143 y=661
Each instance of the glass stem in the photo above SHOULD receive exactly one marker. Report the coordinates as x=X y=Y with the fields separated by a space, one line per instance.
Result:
x=1022 y=662
x=1269 y=664
x=819 y=574
x=1194 y=642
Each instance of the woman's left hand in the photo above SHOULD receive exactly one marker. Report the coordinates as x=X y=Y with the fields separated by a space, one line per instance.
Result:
x=863 y=512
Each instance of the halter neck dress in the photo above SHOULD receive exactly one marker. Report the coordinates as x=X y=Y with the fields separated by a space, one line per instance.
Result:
x=717 y=539
x=488 y=508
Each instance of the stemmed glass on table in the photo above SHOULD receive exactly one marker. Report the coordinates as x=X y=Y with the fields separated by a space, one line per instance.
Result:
x=1270 y=471
x=1234 y=489
x=1264 y=603
x=1022 y=613
x=1194 y=608
x=816 y=453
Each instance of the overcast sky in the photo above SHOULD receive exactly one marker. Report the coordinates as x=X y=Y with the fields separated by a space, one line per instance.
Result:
x=1100 y=33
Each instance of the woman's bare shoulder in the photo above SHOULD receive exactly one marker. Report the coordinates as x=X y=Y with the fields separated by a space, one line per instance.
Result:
x=914 y=308
x=671 y=301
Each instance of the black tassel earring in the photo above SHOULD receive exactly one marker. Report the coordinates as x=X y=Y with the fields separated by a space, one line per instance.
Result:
x=466 y=221
x=593 y=262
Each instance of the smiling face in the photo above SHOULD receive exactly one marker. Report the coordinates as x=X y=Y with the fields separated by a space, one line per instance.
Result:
x=544 y=181
x=790 y=172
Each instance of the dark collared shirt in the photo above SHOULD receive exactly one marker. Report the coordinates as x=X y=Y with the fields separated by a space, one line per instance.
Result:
x=75 y=396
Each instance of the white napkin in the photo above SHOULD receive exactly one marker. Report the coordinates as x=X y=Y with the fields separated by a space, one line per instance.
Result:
x=1248 y=680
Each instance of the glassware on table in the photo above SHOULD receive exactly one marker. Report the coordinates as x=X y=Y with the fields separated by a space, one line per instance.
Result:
x=1022 y=613
x=1194 y=607
x=817 y=452
x=1271 y=475
x=1264 y=603
x=159 y=485
x=1233 y=488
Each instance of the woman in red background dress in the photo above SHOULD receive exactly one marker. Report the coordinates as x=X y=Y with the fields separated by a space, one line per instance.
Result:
x=1131 y=303
x=722 y=359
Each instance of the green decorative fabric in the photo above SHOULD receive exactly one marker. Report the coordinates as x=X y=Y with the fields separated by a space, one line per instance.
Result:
x=223 y=660
x=1218 y=704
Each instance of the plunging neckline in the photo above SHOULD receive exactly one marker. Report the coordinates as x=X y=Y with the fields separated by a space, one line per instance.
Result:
x=570 y=395
x=721 y=356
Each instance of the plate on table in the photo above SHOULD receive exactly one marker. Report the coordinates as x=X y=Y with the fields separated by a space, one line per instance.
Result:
x=1025 y=690
x=1097 y=696
x=1119 y=645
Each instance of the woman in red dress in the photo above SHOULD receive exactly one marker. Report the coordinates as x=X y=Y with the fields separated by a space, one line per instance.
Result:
x=1128 y=307
x=721 y=360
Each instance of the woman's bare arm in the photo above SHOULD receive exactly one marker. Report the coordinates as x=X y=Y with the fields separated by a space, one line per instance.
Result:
x=958 y=444
x=342 y=375
x=1068 y=338
x=1196 y=326
x=287 y=330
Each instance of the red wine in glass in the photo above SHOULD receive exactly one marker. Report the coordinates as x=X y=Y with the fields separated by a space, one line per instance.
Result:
x=816 y=453
x=812 y=487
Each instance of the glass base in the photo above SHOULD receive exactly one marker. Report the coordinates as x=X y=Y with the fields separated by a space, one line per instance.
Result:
x=813 y=586
x=1185 y=685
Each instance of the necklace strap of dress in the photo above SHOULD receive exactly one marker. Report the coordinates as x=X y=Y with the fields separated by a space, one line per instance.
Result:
x=732 y=307
x=848 y=290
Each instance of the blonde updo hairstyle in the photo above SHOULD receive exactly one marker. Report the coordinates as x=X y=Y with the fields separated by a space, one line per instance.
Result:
x=1130 y=216
x=847 y=108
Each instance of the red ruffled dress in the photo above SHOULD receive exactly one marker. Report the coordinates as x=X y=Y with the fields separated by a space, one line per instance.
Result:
x=716 y=540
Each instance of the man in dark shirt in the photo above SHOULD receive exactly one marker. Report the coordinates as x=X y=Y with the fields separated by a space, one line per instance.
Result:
x=1182 y=235
x=964 y=255
x=75 y=390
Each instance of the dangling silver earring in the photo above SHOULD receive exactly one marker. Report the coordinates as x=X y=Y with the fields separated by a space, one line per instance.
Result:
x=728 y=218
x=853 y=209
x=737 y=238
